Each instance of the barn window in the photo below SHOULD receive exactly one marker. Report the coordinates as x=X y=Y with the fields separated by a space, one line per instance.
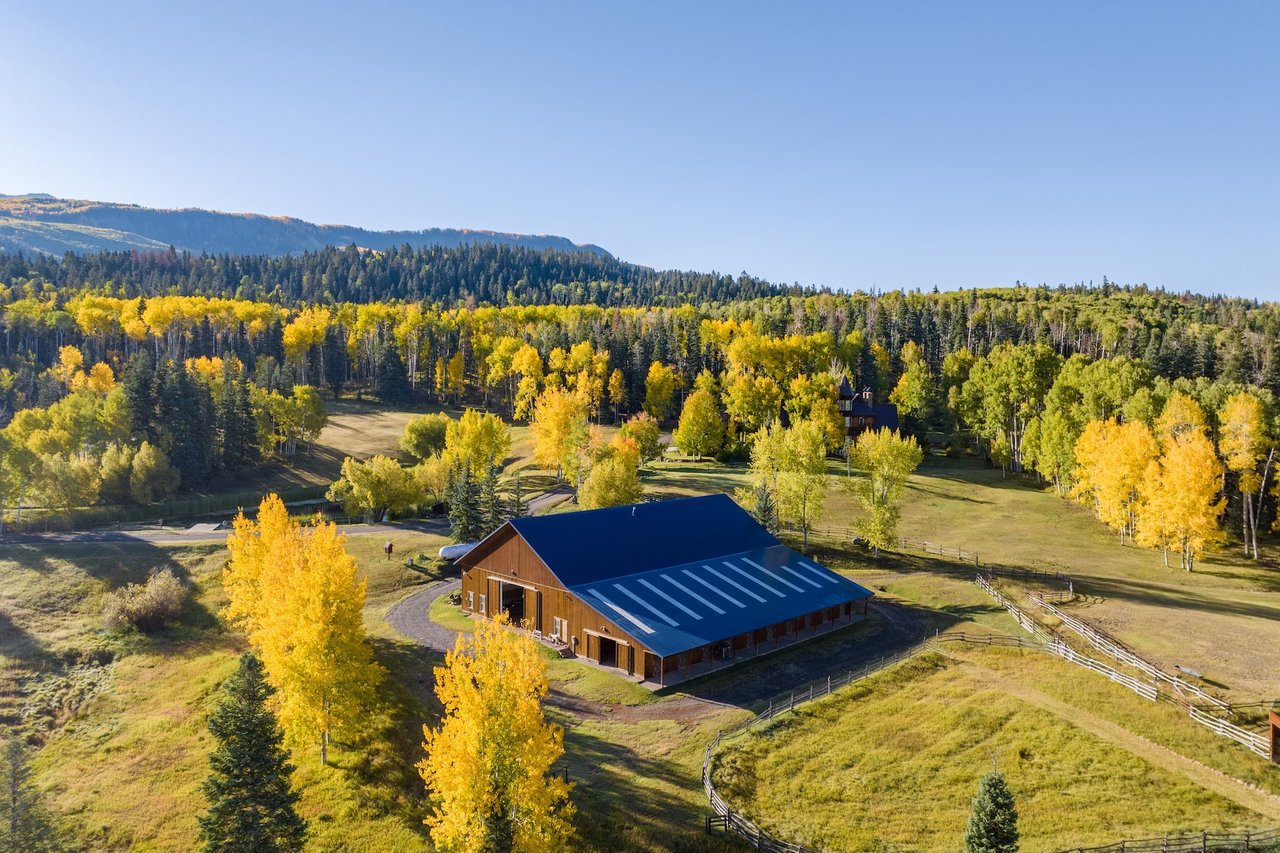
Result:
x=483 y=599
x=471 y=600
x=559 y=628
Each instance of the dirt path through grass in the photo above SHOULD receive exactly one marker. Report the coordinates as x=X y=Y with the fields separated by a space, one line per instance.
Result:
x=1238 y=792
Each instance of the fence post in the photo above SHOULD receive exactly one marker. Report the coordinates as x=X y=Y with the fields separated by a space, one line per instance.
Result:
x=828 y=684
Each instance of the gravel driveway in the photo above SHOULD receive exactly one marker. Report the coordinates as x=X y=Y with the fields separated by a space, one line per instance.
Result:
x=410 y=616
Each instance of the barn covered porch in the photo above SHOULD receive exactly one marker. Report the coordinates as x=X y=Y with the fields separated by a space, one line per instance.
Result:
x=660 y=672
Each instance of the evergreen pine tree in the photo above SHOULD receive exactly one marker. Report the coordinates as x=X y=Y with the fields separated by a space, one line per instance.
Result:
x=335 y=360
x=139 y=383
x=390 y=378
x=186 y=417
x=993 y=825
x=516 y=507
x=490 y=506
x=1207 y=357
x=465 y=519
x=237 y=426
x=251 y=805
x=766 y=511
x=1271 y=369
x=25 y=825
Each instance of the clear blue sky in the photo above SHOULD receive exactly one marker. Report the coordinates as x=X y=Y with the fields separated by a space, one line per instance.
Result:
x=858 y=145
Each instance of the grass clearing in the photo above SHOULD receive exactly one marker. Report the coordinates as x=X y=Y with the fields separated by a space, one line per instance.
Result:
x=895 y=761
x=1225 y=612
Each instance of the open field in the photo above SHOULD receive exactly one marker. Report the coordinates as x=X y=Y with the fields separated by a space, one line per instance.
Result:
x=892 y=763
x=359 y=429
x=121 y=720
x=1219 y=620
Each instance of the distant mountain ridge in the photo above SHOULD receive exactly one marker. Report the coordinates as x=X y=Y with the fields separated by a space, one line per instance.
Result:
x=42 y=224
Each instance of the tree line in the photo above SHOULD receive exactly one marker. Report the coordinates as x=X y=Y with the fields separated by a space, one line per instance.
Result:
x=1163 y=462
x=162 y=424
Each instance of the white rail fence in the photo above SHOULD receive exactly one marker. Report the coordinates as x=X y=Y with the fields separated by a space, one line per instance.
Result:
x=1253 y=741
x=1114 y=649
x=1056 y=645
x=1142 y=688
x=1031 y=626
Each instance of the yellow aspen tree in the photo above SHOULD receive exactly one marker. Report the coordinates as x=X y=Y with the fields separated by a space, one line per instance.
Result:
x=1112 y=460
x=455 y=377
x=617 y=392
x=528 y=364
x=660 y=386
x=1131 y=449
x=1155 y=512
x=297 y=593
x=488 y=767
x=1246 y=448
x=886 y=459
x=1090 y=453
x=1184 y=495
x=559 y=429
x=70 y=366
x=441 y=384
x=479 y=439
x=1181 y=414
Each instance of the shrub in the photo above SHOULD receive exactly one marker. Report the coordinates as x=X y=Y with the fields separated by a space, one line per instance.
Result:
x=147 y=607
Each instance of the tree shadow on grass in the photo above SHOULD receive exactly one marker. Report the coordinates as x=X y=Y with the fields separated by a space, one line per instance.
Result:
x=1139 y=593
x=120 y=563
x=916 y=486
x=1266 y=578
x=17 y=644
x=624 y=801
x=33 y=558
x=383 y=760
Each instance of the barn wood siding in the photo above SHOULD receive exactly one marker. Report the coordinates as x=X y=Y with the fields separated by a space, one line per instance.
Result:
x=512 y=560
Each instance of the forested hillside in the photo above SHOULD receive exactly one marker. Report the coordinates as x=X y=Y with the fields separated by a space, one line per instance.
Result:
x=40 y=223
x=482 y=273
x=249 y=345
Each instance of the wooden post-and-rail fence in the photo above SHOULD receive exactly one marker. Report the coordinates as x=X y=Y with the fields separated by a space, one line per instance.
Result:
x=723 y=817
x=1203 y=842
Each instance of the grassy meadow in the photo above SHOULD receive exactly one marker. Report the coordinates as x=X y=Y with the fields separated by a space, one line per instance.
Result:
x=893 y=763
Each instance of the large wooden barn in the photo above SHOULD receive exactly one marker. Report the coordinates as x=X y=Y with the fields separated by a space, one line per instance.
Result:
x=663 y=591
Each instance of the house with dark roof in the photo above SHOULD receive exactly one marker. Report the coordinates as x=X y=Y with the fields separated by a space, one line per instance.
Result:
x=861 y=412
x=663 y=591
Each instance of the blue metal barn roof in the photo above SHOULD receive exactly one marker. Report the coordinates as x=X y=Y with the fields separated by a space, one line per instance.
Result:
x=580 y=547
x=684 y=573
